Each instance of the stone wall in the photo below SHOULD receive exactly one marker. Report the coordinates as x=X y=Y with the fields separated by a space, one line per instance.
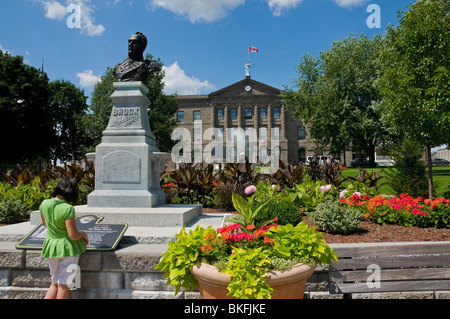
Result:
x=127 y=273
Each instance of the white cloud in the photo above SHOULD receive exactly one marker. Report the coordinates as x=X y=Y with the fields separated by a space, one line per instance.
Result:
x=54 y=10
x=199 y=10
x=87 y=78
x=349 y=3
x=87 y=20
x=176 y=81
x=278 y=6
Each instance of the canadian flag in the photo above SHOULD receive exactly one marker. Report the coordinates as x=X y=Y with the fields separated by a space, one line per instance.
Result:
x=253 y=49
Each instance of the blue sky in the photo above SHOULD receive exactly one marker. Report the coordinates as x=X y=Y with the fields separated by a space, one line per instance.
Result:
x=203 y=43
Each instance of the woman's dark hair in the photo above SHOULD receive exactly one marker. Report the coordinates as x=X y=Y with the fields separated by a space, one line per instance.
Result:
x=68 y=188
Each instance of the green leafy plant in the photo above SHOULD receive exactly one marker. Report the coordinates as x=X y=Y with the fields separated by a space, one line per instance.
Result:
x=371 y=180
x=244 y=251
x=246 y=210
x=248 y=270
x=308 y=194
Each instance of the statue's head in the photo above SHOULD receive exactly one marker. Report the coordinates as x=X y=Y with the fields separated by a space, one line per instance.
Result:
x=137 y=45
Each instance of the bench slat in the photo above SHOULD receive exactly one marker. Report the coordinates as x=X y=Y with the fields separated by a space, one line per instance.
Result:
x=386 y=249
x=394 y=262
x=391 y=286
x=391 y=274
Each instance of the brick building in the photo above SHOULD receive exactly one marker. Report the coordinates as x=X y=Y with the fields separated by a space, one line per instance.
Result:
x=245 y=104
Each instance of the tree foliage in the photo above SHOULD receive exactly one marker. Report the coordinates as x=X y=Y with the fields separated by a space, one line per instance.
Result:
x=68 y=104
x=336 y=95
x=26 y=121
x=416 y=81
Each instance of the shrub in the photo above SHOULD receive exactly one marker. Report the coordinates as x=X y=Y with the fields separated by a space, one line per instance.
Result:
x=336 y=218
x=13 y=210
x=409 y=175
x=286 y=212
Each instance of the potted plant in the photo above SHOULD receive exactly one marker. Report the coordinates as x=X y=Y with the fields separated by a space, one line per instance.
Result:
x=244 y=260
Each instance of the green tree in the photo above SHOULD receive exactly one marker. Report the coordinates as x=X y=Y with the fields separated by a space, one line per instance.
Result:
x=96 y=121
x=416 y=81
x=336 y=95
x=161 y=115
x=68 y=104
x=26 y=121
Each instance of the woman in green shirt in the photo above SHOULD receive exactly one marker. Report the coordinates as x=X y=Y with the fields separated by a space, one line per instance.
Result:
x=63 y=244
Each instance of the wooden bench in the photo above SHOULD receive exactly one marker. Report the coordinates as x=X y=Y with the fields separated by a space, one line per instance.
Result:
x=390 y=267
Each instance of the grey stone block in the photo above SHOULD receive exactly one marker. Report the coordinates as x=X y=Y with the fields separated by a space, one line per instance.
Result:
x=5 y=277
x=146 y=281
x=31 y=278
x=91 y=260
x=34 y=260
x=10 y=257
x=22 y=293
x=102 y=280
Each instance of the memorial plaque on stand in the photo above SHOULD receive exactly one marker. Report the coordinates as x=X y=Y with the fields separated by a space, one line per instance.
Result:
x=102 y=236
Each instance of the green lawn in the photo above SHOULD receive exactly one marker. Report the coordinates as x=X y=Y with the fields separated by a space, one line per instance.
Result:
x=441 y=179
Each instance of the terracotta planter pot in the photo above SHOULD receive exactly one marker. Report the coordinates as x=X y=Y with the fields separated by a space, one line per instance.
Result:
x=289 y=284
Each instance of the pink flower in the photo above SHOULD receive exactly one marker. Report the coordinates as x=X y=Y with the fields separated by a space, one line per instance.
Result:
x=325 y=188
x=250 y=190
x=342 y=194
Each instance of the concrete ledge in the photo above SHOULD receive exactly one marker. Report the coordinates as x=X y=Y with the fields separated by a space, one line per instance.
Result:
x=163 y=216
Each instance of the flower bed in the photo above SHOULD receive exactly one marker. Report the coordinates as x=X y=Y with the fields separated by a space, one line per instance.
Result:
x=404 y=210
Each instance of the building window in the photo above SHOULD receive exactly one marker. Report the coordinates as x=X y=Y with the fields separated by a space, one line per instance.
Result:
x=220 y=114
x=233 y=114
x=197 y=115
x=197 y=135
x=263 y=113
x=276 y=133
x=263 y=134
x=180 y=116
x=248 y=113
x=276 y=112
x=301 y=155
x=301 y=133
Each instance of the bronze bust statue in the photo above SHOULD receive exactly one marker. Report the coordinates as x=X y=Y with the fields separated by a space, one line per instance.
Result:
x=135 y=68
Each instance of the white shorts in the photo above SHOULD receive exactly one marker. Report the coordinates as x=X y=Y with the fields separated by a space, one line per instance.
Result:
x=63 y=268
